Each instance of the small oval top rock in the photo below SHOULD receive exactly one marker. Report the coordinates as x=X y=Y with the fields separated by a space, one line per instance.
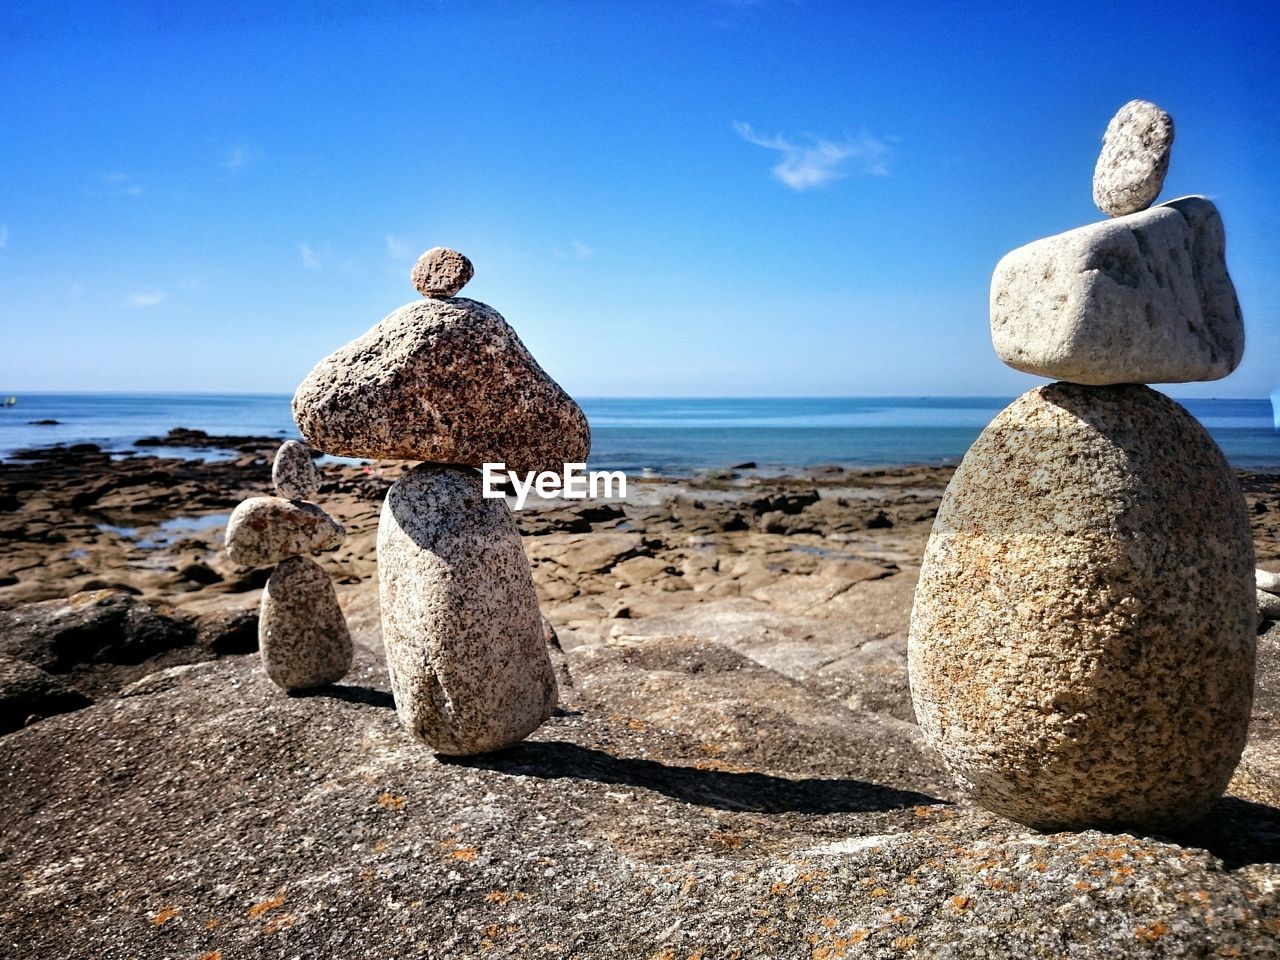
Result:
x=266 y=530
x=441 y=272
x=1134 y=159
x=294 y=473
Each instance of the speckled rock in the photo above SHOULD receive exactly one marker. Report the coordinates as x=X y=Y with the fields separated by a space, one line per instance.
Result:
x=302 y=635
x=441 y=272
x=1266 y=580
x=460 y=619
x=1268 y=606
x=1140 y=299
x=1082 y=640
x=294 y=473
x=447 y=381
x=266 y=530
x=1134 y=159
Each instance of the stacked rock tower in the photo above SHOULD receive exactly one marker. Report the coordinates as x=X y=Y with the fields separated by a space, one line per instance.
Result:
x=302 y=635
x=446 y=380
x=1082 y=641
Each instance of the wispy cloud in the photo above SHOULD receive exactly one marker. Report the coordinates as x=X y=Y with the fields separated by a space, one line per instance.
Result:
x=4 y=236
x=148 y=298
x=819 y=161
x=577 y=250
x=310 y=258
x=239 y=157
x=117 y=184
x=397 y=249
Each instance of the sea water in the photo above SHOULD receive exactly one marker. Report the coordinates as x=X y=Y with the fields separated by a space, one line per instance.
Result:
x=665 y=436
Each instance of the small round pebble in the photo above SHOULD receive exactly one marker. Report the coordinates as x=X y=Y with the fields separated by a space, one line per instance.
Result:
x=294 y=473
x=441 y=272
x=1134 y=159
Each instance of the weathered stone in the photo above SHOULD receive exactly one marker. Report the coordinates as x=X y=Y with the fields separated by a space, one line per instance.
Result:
x=447 y=381
x=302 y=634
x=294 y=473
x=1082 y=639
x=441 y=272
x=1268 y=606
x=1266 y=580
x=266 y=530
x=1140 y=299
x=26 y=691
x=460 y=619
x=1134 y=159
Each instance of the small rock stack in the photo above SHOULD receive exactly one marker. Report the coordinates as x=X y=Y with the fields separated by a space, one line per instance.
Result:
x=446 y=380
x=302 y=635
x=1082 y=640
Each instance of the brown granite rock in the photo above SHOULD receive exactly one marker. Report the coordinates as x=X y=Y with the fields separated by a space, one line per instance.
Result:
x=1082 y=639
x=441 y=272
x=302 y=635
x=266 y=530
x=447 y=381
x=460 y=619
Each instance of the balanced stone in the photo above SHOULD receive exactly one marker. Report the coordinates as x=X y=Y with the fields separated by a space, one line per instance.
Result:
x=294 y=473
x=460 y=619
x=1266 y=580
x=302 y=635
x=1134 y=159
x=447 y=381
x=266 y=530
x=1139 y=299
x=1268 y=606
x=1081 y=650
x=441 y=272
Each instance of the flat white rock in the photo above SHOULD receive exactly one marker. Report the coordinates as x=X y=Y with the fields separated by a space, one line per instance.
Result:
x=1139 y=299
x=460 y=620
x=302 y=635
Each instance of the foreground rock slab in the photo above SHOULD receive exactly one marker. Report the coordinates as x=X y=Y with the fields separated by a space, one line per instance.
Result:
x=302 y=635
x=1082 y=640
x=1140 y=299
x=446 y=381
x=460 y=617
x=1134 y=159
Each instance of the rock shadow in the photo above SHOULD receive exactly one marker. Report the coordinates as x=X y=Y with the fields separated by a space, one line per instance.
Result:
x=351 y=693
x=1237 y=832
x=723 y=790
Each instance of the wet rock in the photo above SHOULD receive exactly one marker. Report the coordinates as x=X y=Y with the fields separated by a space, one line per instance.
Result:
x=302 y=635
x=441 y=272
x=445 y=381
x=294 y=473
x=1140 y=299
x=27 y=692
x=1134 y=159
x=266 y=530
x=1082 y=640
x=460 y=619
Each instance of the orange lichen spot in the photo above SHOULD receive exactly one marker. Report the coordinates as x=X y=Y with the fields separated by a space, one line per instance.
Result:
x=696 y=955
x=689 y=883
x=464 y=853
x=829 y=922
x=212 y=923
x=911 y=880
x=1228 y=952
x=899 y=918
x=710 y=748
x=1083 y=885
x=497 y=896
x=258 y=909
x=366 y=875
x=879 y=892
x=667 y=954
x=1153 y=932
x=389 y=801
x=923 y=811
x=164 y=915
x=859 y=935
x=1039 y=866
x=380 y=846
x=636 y=725
x=211 y=955
x=905 y=943
x=962 y=903
x=778 y=889
x=281 y=921
x=729 y=841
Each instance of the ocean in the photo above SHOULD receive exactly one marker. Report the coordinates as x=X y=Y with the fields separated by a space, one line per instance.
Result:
x=664 y=436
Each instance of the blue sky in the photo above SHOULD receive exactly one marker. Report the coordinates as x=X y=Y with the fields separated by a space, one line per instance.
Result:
x=688 y=198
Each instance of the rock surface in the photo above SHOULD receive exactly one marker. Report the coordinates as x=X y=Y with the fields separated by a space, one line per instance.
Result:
x=441 y=272
x=266 y=530
x=26 y=691
x=1134 y=159
x=1082 y=641
x=302 y=635
x=294 y=473
x=1140 y=299
x=446 y=381
x=1268 y=606
x=1268 y=581
x=460 y=617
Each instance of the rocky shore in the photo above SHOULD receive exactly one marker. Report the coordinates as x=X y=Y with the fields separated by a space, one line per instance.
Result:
x=734 y=769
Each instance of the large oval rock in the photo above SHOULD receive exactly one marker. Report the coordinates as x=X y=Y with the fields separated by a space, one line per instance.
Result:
x=302 y=635
x=460 y=619
x=443 y=380
x=266 y=530
x=1082 y=640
